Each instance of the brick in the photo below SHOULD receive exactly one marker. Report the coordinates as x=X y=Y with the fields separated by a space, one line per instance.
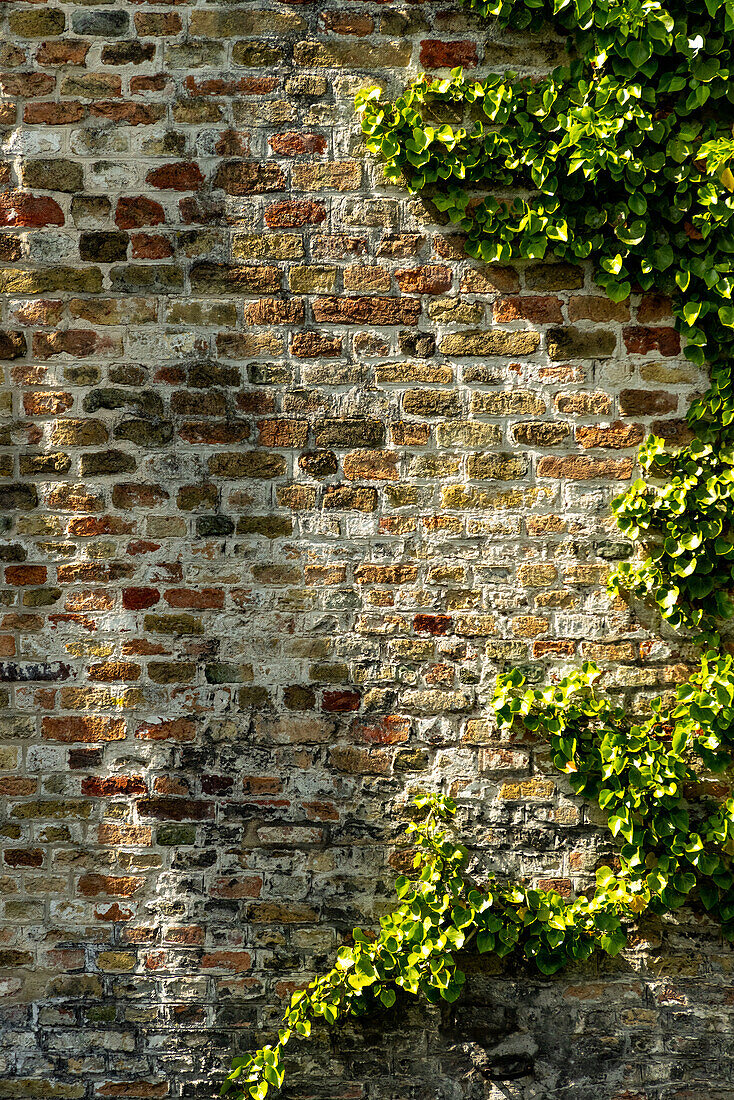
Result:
x=294 y=143
x=53 y=174
x=639 y=340
x=583 y=404
x=597 y=308
x=92 y=885
x=541 y=433
x=371 y=465
x=350 y=498
x=277 y=432
x=293 y=214
x=338 y=55
x=430 y=279
x=338 y=176
x=571 y=343
x=491 y=467
x=19 y=208
x=12 y=344
x=553 y=276
x=83 y=728
x=428 y=403
x=348 y=432
x=251 y=464
x=133 y=212
x=366 y=310
x=249 y=178
x=490 y=343
x=37 y=24
x=647 y=402
x=580 y=467
x=208 y=278
x=175 y=809
x=617 y=435
x=509 y=403
x=436 y=54
x=184 y=176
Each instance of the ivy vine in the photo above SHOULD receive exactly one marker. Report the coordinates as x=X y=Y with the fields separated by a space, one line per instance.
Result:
x=622 y=155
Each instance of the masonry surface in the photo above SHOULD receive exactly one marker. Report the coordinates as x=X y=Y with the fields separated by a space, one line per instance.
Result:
x=285 y=481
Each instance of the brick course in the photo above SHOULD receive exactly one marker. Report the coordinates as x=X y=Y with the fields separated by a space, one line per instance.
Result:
x=285 y=479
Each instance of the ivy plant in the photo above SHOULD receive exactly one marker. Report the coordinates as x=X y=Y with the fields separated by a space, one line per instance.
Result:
x=621 y=155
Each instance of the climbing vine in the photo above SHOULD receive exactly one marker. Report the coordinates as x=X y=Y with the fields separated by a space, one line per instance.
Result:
x=621 y=155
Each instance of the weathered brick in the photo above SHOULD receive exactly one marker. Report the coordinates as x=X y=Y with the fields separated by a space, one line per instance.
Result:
x=509 y=403
x=338 y=176
x=571 y=343
x=639 y=340
x=257 y=464
x=240 y=177
x=341 y=55
x=580 y=467
x=347 y=497
x=482 y=343
x=647 y=402
x=209 y=278
x=367 y=310
x=437 y=54
x=18 y=208
x=583 y=404
x=428 y=403
x=540 y=433
x=540 y=309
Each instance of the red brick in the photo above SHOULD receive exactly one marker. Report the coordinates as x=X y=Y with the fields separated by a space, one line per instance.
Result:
x=108 y=786
x=131 y=213
x=20 y=208
x=246 y=85
x=431 y=279
x=292 y=214
x=295 y=143
x=174 y=729
x=539 y=309
x=367 y=310
x=203 y=598
x=53 y=114
x=70 y=52
x=184 y=176
x=238 y=961
x=640 y=340
x=83 y=728
x=149 y=246
x=647 y=402
x=436 y=54
x=341 y=700
x=133 y=114
x=432 y=624
x=27 y=85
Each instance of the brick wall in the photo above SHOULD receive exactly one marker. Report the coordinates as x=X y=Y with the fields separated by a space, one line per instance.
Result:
x=285 y=481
